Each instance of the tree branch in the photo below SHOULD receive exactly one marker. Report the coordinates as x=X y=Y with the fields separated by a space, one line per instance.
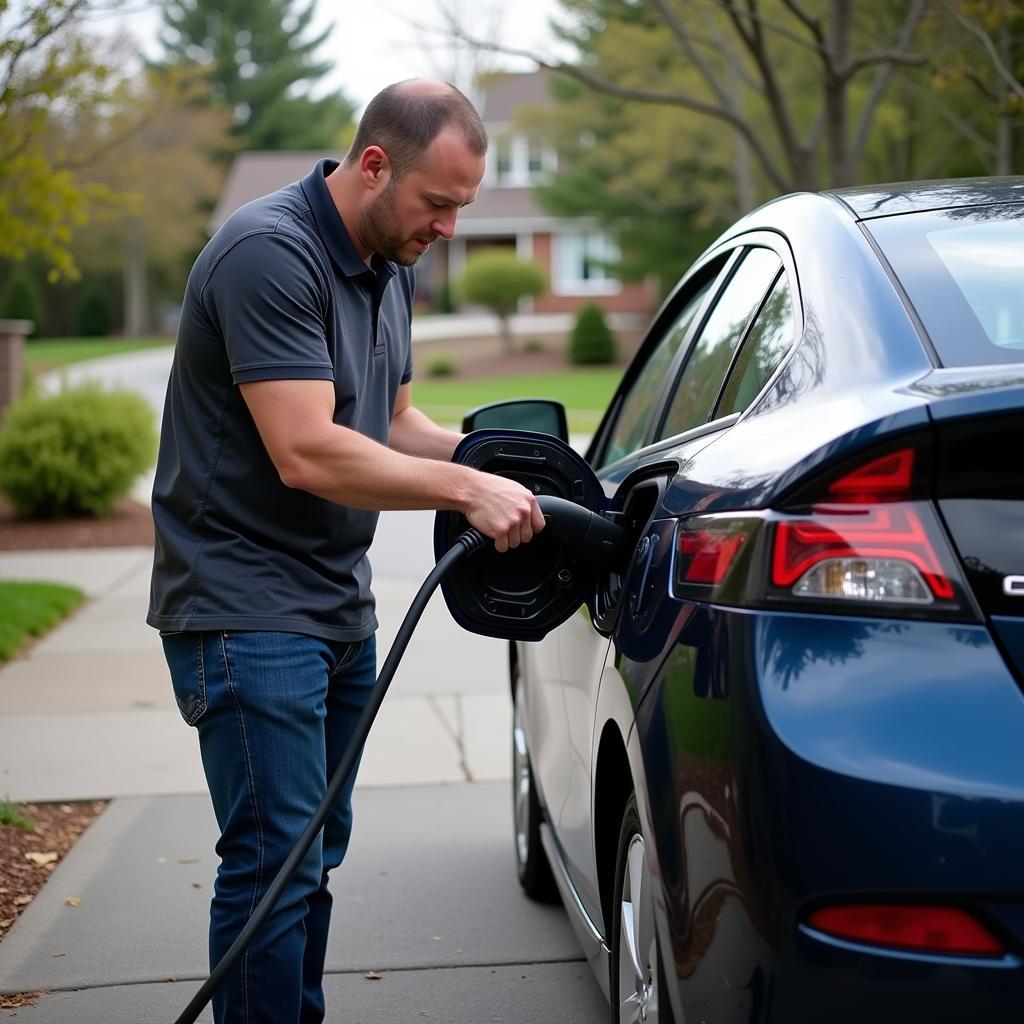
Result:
x=979 y=33
x=28 y=45
x=881 y=84
x=949 y=115
x=774 y=26
x=813 y=24
x=609 y=88
x=791 y=146
x=677 y=27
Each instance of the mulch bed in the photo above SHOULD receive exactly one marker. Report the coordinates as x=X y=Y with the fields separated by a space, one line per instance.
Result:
x=29 y=855
x=129 y=525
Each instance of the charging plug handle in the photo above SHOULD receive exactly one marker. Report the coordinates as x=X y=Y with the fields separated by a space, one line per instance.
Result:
x=600 y=541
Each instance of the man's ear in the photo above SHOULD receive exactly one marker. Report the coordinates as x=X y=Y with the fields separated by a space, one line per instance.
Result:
x=374 y=167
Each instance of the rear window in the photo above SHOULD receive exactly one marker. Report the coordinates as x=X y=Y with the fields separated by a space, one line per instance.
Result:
x=963 y=270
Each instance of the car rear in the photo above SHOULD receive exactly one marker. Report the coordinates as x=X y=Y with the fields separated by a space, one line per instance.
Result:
x=861 y=805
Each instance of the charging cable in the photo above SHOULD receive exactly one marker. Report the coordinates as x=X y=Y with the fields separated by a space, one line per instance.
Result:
x=465 y=544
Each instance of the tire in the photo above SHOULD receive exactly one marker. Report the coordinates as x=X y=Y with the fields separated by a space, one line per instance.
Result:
x=636 y=981
x=532 y=865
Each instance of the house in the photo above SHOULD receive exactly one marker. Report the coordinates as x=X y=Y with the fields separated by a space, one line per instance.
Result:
x=571 y=250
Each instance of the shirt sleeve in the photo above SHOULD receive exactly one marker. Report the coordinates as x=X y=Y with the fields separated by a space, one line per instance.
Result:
x=268 y=297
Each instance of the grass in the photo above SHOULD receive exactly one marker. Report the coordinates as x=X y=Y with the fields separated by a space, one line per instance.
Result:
x=53 y=353
x=30 y=609
x=584 y=392
x=10 y=814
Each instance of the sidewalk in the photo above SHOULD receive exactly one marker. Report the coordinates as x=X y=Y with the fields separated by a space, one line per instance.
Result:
x=88 y=713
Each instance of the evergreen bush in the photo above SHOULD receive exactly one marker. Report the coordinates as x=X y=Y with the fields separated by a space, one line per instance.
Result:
x=94 y=318
x=76 y=452
x=23 y=300
x=592 y=341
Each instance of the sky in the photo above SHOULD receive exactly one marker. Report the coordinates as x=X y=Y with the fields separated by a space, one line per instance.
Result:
x=376 y=42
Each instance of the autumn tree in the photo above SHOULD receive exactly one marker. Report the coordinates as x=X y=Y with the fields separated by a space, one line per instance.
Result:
x=167 y=178
x=261 y=66
x=46 y=70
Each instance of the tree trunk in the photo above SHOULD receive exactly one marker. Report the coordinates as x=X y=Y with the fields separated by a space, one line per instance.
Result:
x=136 y=293
x=505 y=327
x=836 y=83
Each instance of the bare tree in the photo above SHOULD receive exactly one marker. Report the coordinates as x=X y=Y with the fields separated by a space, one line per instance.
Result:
x=733 y=45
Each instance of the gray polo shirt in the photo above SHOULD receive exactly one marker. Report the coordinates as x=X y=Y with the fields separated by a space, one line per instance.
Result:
x=279 y=293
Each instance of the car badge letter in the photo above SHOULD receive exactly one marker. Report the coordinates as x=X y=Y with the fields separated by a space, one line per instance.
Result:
x=1013 y=586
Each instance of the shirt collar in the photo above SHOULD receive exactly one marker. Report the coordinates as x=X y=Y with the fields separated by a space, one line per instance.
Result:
x=332 y=228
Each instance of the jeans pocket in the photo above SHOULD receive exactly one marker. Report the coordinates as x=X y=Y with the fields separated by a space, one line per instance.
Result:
x=347 y=656
x=184 y=654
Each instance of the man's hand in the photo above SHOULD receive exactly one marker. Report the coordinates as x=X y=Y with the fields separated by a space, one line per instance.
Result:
x=504 y=510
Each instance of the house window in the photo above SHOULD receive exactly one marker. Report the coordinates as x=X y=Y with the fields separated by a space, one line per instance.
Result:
x=535 y=159
x=503 y=158
x=580 y=264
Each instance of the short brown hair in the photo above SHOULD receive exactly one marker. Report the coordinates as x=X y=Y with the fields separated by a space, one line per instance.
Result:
x=404 y=121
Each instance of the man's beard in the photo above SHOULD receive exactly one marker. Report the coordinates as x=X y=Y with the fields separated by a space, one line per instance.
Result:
x=380 y=230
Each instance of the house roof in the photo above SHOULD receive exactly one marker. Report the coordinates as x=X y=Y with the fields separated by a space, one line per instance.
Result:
x=504 y=92
x=255 y=173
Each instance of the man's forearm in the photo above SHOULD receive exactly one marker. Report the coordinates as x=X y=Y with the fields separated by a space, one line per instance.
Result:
x=415 y=433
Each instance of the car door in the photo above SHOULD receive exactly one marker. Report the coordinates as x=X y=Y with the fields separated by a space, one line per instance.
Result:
x=711 y=323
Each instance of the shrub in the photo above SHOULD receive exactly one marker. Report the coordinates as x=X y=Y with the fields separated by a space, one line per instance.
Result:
x=533 y=345
x=445 y=301
x=75 y=452
x=93 y=319
x=23 y=300
x=591 y=340
x=497 y=278
x=441 y=366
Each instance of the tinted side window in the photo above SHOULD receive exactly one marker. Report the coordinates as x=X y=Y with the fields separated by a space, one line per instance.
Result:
x=638 y=405
x=709 y=360
x=768 y=341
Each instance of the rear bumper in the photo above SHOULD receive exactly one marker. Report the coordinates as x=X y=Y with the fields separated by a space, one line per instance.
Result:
x=809 y=760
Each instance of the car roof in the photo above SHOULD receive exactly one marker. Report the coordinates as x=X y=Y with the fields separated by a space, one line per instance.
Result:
x=870 y=201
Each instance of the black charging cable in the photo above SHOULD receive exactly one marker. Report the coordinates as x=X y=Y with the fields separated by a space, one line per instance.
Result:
x=465 y=544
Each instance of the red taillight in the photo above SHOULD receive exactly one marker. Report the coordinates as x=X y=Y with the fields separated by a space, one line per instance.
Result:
x=939 y=930
x=884 y=479
x=704 y=556
x=893 y=533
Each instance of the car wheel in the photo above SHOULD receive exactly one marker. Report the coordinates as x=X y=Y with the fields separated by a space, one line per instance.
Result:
x=636 y=985
x=531 y=861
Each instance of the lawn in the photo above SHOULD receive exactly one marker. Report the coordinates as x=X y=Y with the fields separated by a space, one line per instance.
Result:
x=584 y=393
x=52 y=353
x=30 y=609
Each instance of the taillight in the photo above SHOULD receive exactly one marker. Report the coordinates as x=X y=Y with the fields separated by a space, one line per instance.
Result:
x=869 y=539
x=862 y=553
x=946 y=931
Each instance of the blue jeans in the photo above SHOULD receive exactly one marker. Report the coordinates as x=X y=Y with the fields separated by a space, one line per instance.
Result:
x=275 y=712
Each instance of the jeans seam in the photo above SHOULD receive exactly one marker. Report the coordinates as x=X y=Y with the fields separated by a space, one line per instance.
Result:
x=255 y=812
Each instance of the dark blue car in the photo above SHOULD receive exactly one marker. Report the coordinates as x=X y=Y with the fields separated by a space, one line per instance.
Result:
x=774 y=765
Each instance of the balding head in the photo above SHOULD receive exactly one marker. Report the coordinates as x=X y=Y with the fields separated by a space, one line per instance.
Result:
x=405 y=118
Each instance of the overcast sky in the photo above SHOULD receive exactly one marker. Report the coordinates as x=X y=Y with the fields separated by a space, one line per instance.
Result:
x=375 y=42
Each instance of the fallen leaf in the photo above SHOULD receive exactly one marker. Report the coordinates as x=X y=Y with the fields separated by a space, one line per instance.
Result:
x=22 y=901
x=42 y=858
x=197 y=885
x=371 y=975
x=57 y=956
x=73 y=901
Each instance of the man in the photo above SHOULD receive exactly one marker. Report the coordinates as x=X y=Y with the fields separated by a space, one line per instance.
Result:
x=288 y=424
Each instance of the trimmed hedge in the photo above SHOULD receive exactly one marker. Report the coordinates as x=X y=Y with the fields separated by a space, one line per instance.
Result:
x=76 y=452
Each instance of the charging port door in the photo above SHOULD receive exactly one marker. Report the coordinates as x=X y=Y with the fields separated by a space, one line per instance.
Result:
x=525 y=593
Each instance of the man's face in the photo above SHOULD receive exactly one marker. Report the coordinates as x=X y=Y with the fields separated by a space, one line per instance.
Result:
x=402 y=220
